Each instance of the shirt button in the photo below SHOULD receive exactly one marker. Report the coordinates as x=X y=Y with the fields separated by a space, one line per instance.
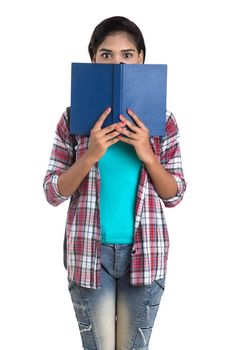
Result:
x=133 y=251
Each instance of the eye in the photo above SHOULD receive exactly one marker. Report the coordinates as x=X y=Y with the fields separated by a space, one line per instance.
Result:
x=106 y=55
x=127 y=55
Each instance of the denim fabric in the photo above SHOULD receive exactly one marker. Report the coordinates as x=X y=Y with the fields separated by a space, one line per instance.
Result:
x=116 y=316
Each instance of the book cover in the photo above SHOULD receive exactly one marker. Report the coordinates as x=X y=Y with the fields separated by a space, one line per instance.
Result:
x=140 y=87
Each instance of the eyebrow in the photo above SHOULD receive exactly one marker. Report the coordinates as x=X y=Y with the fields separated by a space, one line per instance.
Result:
x=125 y=50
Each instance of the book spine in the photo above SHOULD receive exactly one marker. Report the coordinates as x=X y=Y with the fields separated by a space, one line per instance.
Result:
x=121 y=90
x=117 y=88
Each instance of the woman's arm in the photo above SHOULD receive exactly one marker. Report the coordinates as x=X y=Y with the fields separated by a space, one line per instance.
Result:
x=70 y=180
x=164 y=183
x=100 y=140
x=166 y=174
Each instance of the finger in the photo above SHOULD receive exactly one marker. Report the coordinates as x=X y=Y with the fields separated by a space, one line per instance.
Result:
x=101 y=119
x=112 y=141
x=127 y=140
x=109 y=128
x=131 y=126
x=106 y=133
x=127 y=133
x=136 y=119
x=111 y=135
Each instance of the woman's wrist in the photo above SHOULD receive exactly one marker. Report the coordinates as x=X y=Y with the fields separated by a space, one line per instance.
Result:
x=90 y=158
x=151 y=159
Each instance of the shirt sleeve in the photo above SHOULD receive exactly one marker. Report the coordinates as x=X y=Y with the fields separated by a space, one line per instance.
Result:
x=61 y=159
x=170 y=158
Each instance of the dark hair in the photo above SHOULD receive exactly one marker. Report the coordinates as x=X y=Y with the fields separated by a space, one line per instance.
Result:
x=112 y=25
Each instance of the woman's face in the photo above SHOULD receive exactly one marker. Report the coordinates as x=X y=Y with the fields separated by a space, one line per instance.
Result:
x=117 y=48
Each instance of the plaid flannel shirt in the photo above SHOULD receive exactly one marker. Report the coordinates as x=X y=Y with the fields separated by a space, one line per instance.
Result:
x=82 y=251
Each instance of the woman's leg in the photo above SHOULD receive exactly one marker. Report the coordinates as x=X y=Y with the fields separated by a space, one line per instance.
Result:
x=95 y=310
x=136 y=312
x=135 y=307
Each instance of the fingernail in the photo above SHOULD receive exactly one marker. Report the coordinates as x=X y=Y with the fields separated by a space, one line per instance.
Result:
x=121 y=117
x=122 y=123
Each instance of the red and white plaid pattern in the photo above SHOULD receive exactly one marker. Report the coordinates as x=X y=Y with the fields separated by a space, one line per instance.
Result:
x=151 y=241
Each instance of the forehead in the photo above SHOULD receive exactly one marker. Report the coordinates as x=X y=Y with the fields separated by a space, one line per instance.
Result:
x=119 y=39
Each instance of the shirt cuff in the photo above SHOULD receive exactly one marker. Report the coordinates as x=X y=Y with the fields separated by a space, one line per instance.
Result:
x=171 y=202
x=55 y=186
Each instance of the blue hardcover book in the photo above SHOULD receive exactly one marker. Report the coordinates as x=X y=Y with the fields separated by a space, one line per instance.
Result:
x=140 y=87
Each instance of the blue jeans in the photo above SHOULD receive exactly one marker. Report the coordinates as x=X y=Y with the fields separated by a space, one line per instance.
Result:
x=116 y=316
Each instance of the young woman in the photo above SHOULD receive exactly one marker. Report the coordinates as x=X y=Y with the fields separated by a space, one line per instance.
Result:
x=116 y=242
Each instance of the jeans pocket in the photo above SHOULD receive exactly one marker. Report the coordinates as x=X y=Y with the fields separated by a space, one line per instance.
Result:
x=152 y=305
x=79 y=303
x=161 y=282
x=149 y=315
x=82 y=316
x=70 y=284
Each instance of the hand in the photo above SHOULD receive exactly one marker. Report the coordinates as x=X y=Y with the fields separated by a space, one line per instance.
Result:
x=101 y=139
x=138 y=137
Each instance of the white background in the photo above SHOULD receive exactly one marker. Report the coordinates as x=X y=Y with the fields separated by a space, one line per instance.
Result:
x=39 y=40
